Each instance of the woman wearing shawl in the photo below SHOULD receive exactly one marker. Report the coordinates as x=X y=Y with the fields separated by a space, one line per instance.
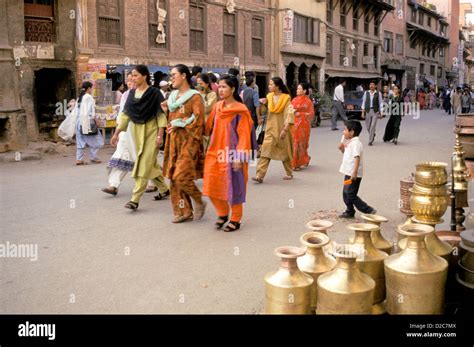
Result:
x=184 y=153
x=304 y=114
x=85 y=121
x=147 y=126
x=278 y=141
x=396 y=113
x=230 y=126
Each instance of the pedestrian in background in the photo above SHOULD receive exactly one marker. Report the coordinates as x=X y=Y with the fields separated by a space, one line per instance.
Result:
x=466 y=101
x=372 y=106
x=304 y=114
x=395 y=110
x=338 y=107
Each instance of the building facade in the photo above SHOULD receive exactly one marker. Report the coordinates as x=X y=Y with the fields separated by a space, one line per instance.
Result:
x=354 y=41
x=466 y=18
x=427 y=50
x=195 y=32
x=301 y=42
x=38 y=67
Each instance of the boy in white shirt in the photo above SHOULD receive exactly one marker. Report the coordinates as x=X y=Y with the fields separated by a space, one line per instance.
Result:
x=352 y=169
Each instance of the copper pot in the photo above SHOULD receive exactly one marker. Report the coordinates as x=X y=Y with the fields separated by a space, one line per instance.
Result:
x=315 y=262
x=431 y=173
x=288 y=290
x=415 y=278
x=345 y=290
x=371 y=261
x=377 y=238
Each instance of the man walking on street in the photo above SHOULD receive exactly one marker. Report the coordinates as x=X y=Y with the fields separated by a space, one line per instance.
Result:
x=338 y=108
x=372 y=106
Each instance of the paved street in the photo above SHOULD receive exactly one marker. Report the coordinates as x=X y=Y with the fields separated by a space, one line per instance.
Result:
x=94 y=256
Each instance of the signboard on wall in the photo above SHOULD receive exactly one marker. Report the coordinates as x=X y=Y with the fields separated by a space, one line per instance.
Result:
x=288 y=27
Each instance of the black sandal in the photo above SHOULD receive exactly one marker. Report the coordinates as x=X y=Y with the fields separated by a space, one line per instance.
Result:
x=161 y=196
x=232 y=226
x=131 y=205
x=221 y=221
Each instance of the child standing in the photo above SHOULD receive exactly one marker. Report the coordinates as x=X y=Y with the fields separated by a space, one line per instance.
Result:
x=352 y=169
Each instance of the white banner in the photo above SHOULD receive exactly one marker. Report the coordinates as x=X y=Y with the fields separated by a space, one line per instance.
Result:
x=288 y=27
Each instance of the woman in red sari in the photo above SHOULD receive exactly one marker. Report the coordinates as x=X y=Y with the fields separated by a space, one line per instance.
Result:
x=232 y=139
x=421 y=99
x=304 y=114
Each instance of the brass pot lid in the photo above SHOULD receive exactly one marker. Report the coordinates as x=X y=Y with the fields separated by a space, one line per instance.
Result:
x=319 y=224
x=374 y=218
x=289 y=252
x=415 y=229
x=314 y=239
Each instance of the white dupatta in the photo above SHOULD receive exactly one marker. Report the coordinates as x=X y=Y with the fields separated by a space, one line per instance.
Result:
x=128 y=136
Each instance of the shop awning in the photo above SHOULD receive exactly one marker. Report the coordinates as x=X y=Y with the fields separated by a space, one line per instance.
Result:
x=429 y=80
x=350 y=74
x=121 y=68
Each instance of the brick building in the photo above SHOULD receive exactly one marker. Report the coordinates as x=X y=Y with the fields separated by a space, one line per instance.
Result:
x=353 y=41
x=428 y=46
x=301 y=46
x=122 y=33
x=37 y=67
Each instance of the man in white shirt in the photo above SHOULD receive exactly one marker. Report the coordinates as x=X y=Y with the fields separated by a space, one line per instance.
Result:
x=164 y=89
x=338 y=108
x=372 y=106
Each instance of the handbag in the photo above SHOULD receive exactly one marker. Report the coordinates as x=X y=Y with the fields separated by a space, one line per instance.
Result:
x=94 y=130
x=261 y=132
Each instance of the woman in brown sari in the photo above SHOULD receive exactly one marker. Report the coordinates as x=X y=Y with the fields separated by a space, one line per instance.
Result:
x=184 y=154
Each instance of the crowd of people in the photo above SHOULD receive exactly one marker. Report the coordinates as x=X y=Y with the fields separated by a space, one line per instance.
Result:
x=211 y=127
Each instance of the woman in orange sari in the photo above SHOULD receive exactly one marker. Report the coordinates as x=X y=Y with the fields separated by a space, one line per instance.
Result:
x=232 y=141
x=304 y=114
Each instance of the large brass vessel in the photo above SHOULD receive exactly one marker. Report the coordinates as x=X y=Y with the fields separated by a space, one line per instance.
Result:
x=315 y=262
x=319 y=225
x=345 y=290
x=377 y=238
x=288 y=290
x=415 y=278
x=370 y=261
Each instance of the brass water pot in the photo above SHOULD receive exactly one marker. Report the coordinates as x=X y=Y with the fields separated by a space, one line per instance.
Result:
x=428 y=208
x=315 y=262
x=288 y=290
x=415 y=278
x=377 y=238
x=370 y=261
x=319 y=225
x=433 y=243
x=345 y=290
x=431 y=173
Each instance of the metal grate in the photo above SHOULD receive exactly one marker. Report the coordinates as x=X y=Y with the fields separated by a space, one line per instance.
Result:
x=39 y=29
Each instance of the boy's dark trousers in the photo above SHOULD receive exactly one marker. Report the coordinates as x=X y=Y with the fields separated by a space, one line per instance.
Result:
x=351 y=199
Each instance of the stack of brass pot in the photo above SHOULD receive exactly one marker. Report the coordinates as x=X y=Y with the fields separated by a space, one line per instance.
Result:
x=345 y=290
x=415 y=278
x=429 y=199
x=315 y=262
x=466 y=259
x=370 y=261
x=377 y=238
x=288 y=290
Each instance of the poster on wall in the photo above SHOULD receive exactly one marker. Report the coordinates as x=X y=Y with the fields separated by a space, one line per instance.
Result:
x=288 y=27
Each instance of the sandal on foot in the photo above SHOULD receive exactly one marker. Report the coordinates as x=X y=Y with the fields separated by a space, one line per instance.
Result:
x=287 y=178
x=131 y=205
x=182 y=219
x=161 y=196
x=110 y=190
x=199 y=210
x=96 y=161
x=80 y=162
x=232 y=226
x=221 y=221
x=257 y=179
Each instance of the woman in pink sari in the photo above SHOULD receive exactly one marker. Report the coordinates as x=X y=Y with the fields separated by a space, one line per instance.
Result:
x=304 y=114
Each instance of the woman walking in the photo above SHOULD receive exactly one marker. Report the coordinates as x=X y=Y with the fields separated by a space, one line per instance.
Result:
x=466 y=101
x=123 y=159
x=278 y=141
x=148 y=122
x=392 y=130
x=184 y=153
x=230 y=126
x=87 y=133
x=304 y=114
